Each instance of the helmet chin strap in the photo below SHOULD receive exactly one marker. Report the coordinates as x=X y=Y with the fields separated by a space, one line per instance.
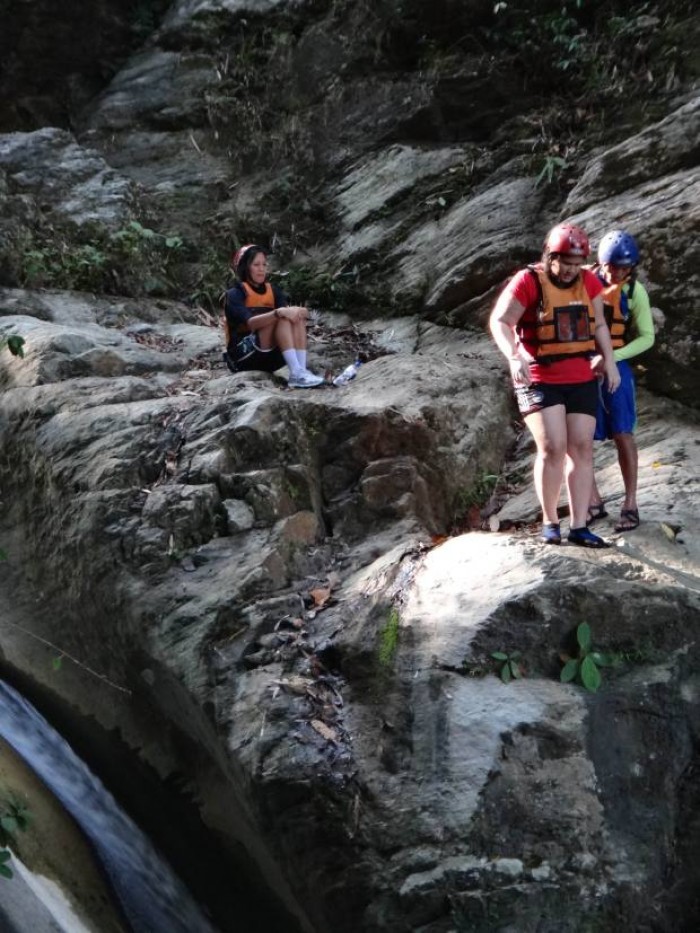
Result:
x=554 y=279
x=559 y=283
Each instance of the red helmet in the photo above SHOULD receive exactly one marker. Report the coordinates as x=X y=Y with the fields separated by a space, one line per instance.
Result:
x=568 y=240
x=238 y=255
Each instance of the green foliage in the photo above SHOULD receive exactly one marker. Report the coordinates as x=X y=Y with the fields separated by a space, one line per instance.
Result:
x=331 y=291
x=134 y=259
x=14 y=344
x=389 y=638
x=478 y=493
x=210 y=284
x=5 y=870
x=508 y=665
x=580 y=48
x=552 y=165
x=584 y=666
x=474 y=668
x=14 y=818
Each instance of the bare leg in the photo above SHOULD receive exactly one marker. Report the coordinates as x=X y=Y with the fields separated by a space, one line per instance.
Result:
x=279 y=333
x=579 y=465
x=548 y=428
x=628 y=459
x=299 y=329
x=596 y=498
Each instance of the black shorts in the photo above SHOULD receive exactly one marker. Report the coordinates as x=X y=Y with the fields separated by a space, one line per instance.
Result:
x=579 y=398
x=264 y=361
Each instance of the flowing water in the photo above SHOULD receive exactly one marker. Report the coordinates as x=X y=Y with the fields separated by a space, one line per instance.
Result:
x=153 y=899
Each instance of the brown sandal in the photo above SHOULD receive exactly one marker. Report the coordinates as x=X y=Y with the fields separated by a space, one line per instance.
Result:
x=629 y=520
x=595 y=512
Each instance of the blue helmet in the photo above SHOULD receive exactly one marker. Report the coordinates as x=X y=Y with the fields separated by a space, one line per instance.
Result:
x=618 y=248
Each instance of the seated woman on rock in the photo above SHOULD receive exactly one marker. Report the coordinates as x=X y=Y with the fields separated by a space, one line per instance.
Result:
x=264 y=332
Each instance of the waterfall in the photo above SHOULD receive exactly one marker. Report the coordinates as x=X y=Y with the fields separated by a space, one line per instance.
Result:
x=153 y=899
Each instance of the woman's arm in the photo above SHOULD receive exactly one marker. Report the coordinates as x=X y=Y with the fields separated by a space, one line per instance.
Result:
x=604 y=344
x=643 y=322
x=504 y=318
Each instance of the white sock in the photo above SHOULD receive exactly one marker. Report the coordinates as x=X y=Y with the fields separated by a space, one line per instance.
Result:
x=292 y=361
x=301 y=356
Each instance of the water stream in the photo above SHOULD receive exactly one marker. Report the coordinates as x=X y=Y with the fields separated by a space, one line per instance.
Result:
x=153 y=899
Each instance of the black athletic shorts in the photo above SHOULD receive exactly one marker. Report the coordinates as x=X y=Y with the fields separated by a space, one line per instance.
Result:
x=264 y=361
x=580 y=398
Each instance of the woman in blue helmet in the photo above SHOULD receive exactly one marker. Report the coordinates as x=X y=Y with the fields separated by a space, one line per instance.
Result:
x=629 y=319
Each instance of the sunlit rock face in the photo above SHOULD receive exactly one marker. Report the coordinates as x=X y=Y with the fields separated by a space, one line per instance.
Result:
x=288 y=601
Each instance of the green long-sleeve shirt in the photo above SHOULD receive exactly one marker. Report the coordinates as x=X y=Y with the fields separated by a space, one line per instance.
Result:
x=641 y=324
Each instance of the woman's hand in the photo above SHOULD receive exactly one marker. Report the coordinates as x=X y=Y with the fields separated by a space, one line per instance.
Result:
x=519 y=371
x=612 y=374
x=293 y=313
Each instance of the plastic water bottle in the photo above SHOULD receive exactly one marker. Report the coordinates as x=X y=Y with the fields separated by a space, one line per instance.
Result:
x=347 y=374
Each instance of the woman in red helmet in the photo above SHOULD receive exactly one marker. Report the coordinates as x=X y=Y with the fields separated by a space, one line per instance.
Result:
x=263 y=331
x=550 y=325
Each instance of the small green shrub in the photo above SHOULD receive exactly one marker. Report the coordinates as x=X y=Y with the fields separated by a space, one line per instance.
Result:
x=478 y=493
x=552 y=165
x=14 y=344
x=329 y=291
x=584 y=666
x=14 y=818
x=508 y=665
x=389 y=638
x=134 y=259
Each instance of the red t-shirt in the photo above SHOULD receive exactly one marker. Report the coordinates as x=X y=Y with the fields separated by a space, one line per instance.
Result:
x=524 y=288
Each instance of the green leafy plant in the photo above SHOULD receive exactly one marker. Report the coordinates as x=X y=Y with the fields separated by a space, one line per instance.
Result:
x=474 y=668
x=389 y=638
x=14 y=818
x=332 y=291
x=552 y=165
x=508 y=665
x=133 y=258
x=584 y=666
x=14 y=344
x=478 y=492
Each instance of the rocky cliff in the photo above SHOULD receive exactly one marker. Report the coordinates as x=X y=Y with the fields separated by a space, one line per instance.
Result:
x=290 y=601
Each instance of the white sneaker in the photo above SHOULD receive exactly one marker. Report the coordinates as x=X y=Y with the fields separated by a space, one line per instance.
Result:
x=305 y=380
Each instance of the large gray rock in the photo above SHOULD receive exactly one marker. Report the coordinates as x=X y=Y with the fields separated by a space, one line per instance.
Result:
x=252 y=583
x=66 y=180
x=476 y=243
x=667 y=147
x=267 y=556
x=664 y=215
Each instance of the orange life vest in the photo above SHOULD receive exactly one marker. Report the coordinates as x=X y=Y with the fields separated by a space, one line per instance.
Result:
x=262 y=302
x=615 y=308
x=564 y=321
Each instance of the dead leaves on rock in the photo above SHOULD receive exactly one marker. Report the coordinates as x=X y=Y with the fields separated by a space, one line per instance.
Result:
x=315 y=685
x=154 y=341
x=671 y=531
x=322 y=596
x=330 y=735
x=324 y=704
